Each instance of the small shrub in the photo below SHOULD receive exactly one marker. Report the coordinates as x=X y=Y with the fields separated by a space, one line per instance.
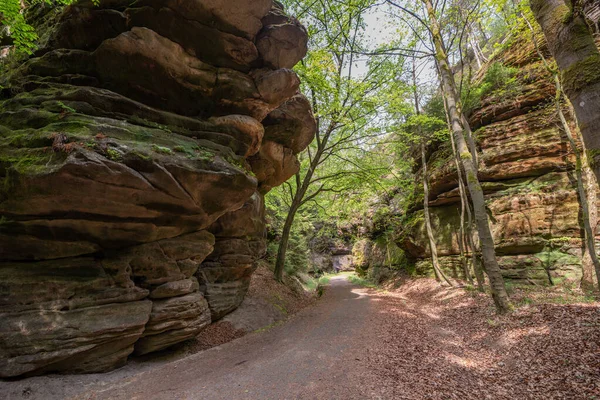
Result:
x=500 y=82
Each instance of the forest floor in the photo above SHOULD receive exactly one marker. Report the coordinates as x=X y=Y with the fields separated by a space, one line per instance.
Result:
x=440 y=343
x=414 y=341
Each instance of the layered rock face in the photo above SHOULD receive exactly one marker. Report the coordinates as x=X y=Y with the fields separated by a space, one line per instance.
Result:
x=135 y=148
x=527 y=172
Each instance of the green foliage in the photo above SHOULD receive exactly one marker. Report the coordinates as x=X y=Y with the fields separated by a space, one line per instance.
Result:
x=356 y=101
x=297 y=259
x=500 y=82
x=114 y=154
x=500 y=78
x=162 y=149
x=298 y=253
x=65 y=108
x=356 y=280
x=23 y=34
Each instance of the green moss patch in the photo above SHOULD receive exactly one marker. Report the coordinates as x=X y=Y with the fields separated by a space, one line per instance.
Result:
x=582 y=74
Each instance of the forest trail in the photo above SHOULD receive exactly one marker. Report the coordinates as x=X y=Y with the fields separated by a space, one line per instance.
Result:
x=417 y=341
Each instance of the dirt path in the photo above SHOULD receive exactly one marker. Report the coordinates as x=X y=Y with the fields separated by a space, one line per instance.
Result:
x=313 y=356
x=420 y=341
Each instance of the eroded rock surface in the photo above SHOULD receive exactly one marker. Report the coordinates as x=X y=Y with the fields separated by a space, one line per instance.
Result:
x=134 y=158
x=527 y=173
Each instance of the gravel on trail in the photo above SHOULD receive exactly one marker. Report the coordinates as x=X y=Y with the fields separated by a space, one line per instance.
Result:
x=420 y=341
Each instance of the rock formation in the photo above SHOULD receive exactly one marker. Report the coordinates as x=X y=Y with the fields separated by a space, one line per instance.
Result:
x=135 y=147
x=527 y=171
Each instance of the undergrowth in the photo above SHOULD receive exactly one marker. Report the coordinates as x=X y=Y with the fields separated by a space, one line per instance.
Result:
x=361 y=281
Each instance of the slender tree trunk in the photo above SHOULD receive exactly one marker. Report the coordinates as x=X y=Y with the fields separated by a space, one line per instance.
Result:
x=479 y=208
x=470 y=140
x=590 y=237
x=464 y=200
x=439 y=274
x=476 y=54
x=283 y=243
x=466 y=237
x=476 y=265
x=591 y=186
x=463 y=242
x=462 y=245
x=578 y=59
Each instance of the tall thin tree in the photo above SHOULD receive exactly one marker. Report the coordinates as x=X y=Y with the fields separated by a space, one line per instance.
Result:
x=459 y=124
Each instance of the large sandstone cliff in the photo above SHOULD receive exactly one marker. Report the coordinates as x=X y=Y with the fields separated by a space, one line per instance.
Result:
x=527 y=172
x=135 y=148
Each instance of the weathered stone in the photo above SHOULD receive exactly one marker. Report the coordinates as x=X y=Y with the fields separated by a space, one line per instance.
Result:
x=273 y=165
x=282 y=45
x=218 y=48
x=174 y=289
x=173 y=321
x=225 y=275
x=157 y=263
x=167 y=197
x=275 y=86
x=248 y=221
x=527 y=173
x=85 y=28
x=66 y=284
x=292 y=125
x=239 y=17
x=224 y=297
x=247 y=125
x=527 y=214
x=543 y=268
x=90 y=339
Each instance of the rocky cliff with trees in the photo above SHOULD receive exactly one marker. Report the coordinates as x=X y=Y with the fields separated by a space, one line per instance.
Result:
x=528 y=172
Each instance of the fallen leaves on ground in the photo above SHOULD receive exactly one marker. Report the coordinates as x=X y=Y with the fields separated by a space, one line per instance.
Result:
x=440 y=343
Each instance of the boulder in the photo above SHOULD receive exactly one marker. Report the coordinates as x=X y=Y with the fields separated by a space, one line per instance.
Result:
x=282 y=45
x=273 y=165
x=292 y=125
x=172 y=321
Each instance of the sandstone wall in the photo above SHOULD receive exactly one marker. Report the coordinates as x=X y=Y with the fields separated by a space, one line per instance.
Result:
x=135 y=148
x=527 y=172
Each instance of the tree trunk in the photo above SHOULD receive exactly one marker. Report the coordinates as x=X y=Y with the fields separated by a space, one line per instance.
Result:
x=283 y=243
x=578 y=60
x=479 y=208
x=463 y=241
x=439 y=274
